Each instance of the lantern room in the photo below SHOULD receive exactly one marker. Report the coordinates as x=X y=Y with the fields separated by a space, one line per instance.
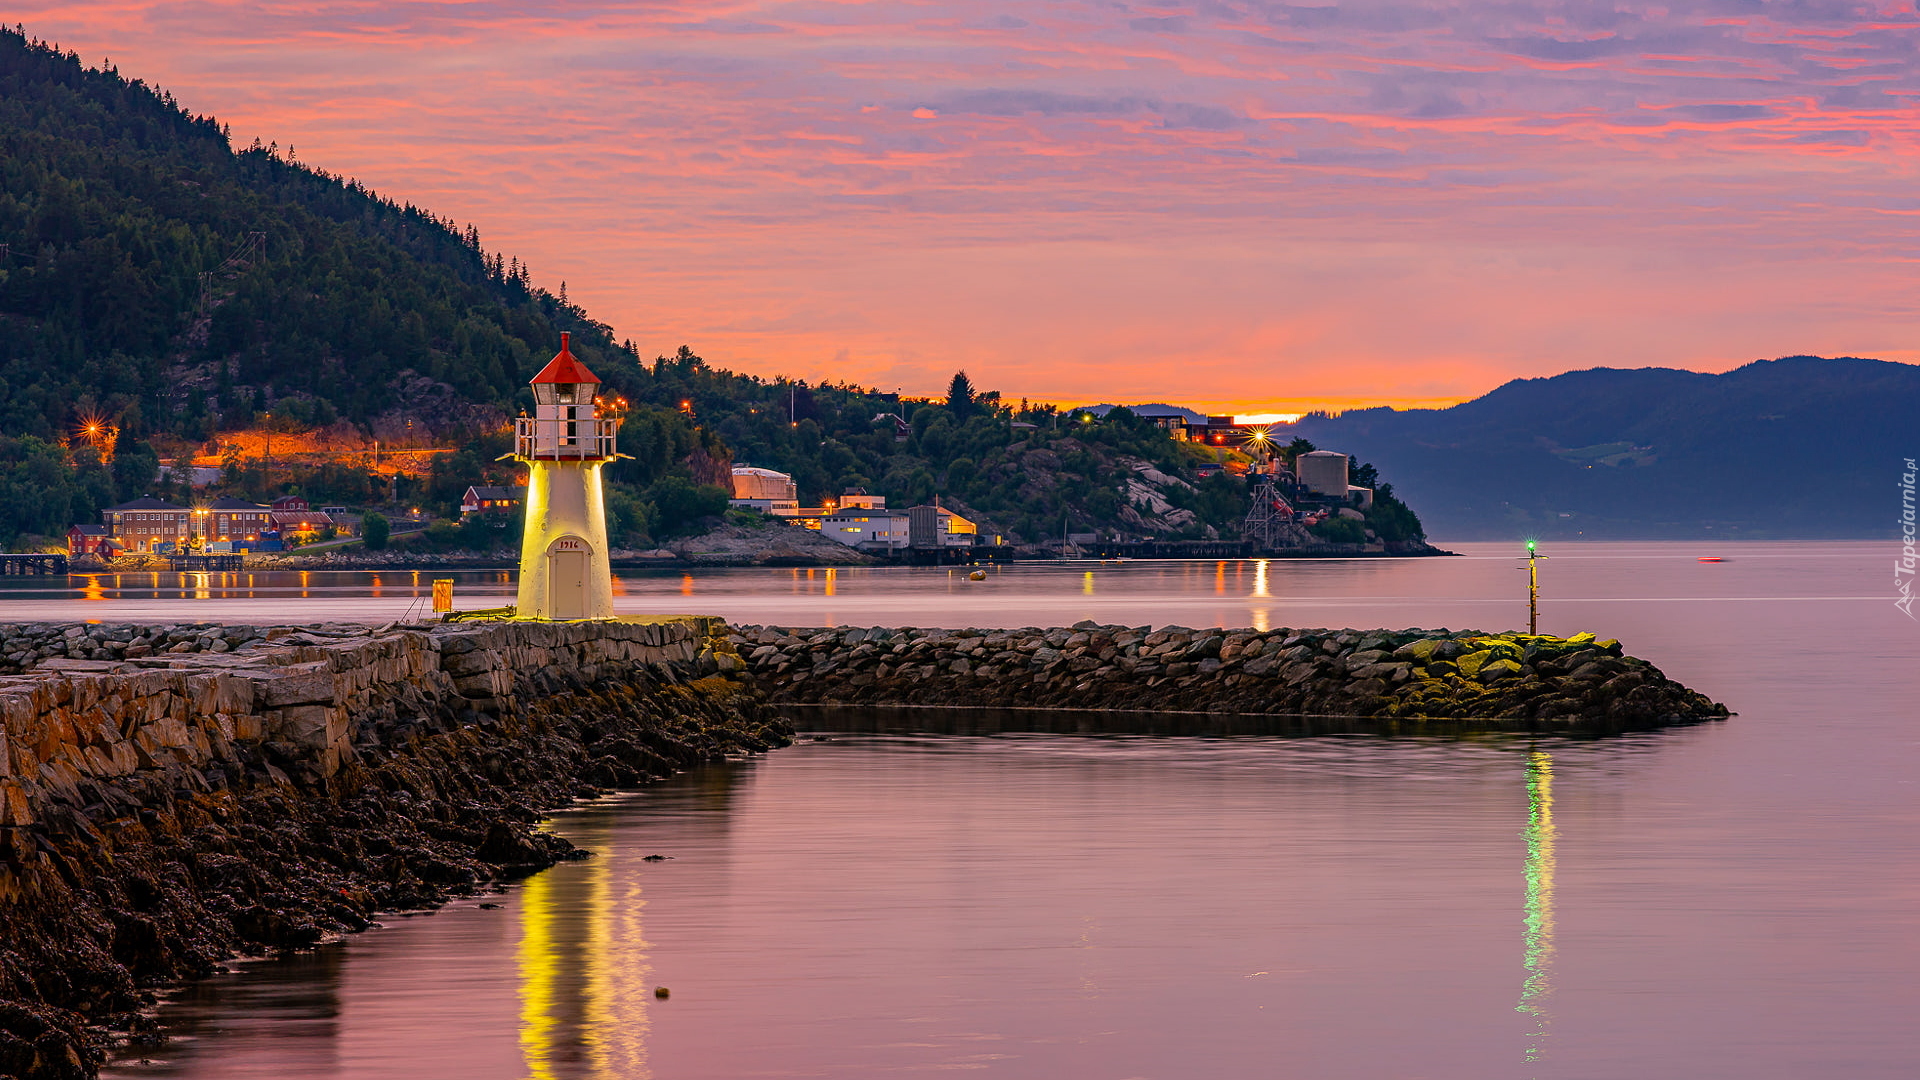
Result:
x=566 y=422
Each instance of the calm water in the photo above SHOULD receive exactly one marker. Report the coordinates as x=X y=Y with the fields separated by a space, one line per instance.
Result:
x=1734 y=900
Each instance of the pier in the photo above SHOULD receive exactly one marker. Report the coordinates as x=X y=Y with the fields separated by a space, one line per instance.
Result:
x=203 y=563
x=32 y=565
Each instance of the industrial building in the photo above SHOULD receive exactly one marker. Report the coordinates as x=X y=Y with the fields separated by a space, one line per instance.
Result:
x=1324 y=472
x=874 y=528
x=765 y=490
x=868 y=529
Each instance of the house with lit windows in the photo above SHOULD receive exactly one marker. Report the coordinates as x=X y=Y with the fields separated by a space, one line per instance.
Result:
x=234 y=520
x=867 y=528
x=489 y=499
x=148 y=524
x=863 y=521
x=91 y=542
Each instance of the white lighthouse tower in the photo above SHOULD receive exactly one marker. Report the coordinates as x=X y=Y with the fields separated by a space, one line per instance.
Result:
x=564 y=572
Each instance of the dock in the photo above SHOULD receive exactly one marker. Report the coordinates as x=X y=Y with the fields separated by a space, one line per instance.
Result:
x=32 y=565
x=202 y=563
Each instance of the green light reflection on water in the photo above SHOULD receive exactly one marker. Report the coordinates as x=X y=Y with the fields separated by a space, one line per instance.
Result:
x=1538 y=953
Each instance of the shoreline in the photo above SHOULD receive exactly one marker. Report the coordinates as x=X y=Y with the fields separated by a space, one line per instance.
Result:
x=164 y=815
x=631 y=561
x=173 y=797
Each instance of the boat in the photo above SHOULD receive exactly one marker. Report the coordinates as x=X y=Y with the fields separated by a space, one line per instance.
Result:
x=1711 y=558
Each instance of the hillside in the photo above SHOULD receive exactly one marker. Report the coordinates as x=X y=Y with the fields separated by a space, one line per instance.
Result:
x=164 y=296
x=1801 y=447
x=158 y=287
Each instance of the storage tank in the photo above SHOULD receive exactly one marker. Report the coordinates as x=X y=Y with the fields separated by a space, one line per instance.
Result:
x=1323 y=472
x=751 y=483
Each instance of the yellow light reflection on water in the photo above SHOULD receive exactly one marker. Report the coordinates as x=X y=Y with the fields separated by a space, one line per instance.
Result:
x=91 y=588
x=1086 y=584
x=1538 y=937
x=583 y=974
x=1220 y=579
x=831 y=572
x=686 y=584
x=617 y=980
x=540 y=963
x=1260 y=578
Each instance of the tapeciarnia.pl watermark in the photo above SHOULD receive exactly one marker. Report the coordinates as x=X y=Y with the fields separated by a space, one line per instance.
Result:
x=1903 y=567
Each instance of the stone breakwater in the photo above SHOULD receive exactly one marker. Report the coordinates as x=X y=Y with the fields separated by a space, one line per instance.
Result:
x=234 y=790
x=1489 y=680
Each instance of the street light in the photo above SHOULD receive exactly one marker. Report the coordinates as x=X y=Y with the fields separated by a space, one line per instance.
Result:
x=1261 y=440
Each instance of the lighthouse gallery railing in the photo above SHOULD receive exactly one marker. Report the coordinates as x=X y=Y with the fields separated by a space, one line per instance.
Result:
x=542 y=439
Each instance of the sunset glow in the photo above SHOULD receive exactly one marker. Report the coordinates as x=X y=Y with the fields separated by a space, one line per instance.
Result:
x=1250 y=206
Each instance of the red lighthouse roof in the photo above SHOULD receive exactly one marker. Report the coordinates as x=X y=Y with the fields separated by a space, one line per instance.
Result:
x=564 y=368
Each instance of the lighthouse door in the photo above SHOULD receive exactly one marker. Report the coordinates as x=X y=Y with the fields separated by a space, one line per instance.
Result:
x=568 y=559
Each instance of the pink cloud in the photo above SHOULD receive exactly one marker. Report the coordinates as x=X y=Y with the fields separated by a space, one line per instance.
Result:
x=1262 y=205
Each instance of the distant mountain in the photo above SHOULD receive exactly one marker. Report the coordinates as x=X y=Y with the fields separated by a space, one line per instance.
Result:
x=1800 y=447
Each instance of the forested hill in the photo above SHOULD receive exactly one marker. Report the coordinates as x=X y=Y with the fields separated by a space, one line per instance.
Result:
x=157 y=281
x=114 y=205
x=174 y=293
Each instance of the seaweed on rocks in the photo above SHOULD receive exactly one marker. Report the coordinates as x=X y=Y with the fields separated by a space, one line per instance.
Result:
x=1401 y=678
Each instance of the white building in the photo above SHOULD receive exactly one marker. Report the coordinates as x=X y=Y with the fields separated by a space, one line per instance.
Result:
x=864 y=527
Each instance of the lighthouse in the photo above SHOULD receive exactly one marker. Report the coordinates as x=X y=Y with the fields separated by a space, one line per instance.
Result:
x=564 y=572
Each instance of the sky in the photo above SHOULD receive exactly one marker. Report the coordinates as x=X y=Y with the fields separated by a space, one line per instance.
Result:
x=1237 y=206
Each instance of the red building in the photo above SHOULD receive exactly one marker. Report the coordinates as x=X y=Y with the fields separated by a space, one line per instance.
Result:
x=233 y=519
x=141 y=523
x=91 y=541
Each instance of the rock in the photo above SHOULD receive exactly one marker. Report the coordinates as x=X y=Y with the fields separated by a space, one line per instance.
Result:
x=1496 y=670
x=1370 y=673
